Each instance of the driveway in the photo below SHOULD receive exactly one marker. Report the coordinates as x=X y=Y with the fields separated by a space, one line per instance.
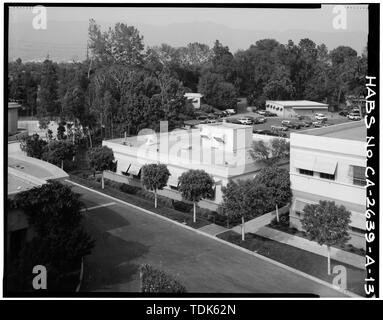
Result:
x=127 y=237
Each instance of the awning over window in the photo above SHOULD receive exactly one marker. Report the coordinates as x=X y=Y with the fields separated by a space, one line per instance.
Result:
x=219 y=137
x=325 y=165
x=135 y=169
x=299 y=204
x=304 y=161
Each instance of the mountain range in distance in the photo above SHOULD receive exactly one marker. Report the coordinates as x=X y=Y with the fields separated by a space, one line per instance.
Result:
x=67 y=41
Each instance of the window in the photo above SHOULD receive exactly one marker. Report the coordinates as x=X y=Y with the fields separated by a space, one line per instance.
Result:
x=306 y=172
x=358 y=176
x=298 y=213
x=327 y=176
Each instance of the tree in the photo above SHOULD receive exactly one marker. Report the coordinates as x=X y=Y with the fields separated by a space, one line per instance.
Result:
x=121 y=45
x=33 y=146
x=278 y=181
x=61 y=131
x=101 y=158
x=154 y=281
x=216 y=91
x=56 y=151
x=277 y=150
x=60 y=242
x=47 y=95
x=195 y=185
x=327 y=224
x=155 y=177
x=245 y=199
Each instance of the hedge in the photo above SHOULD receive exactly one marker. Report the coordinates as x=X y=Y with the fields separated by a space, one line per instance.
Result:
x=155 y=281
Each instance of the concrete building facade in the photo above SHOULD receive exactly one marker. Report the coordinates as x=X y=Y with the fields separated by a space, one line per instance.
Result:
x=292 y=108
x=220 y=149
x=329 y=164
x=13 y=117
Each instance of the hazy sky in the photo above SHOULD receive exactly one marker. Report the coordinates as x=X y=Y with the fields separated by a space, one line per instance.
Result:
x=253 y=19
x=236 y=27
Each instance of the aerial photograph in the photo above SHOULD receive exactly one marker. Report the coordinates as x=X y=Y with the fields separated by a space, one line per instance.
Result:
x=186 y=150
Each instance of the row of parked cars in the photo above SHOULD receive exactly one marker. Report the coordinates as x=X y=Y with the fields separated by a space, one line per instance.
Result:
x=247 y=120
x=354 y=114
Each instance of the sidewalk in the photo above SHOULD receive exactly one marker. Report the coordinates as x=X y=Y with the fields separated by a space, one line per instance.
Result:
x=304 y=244
x=213 y=229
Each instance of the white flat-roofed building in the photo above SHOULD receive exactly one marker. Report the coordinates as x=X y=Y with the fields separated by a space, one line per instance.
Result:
x=194 y=98
x=292 y=108
x=220 y=149
x=329 y=164
x=25 y=173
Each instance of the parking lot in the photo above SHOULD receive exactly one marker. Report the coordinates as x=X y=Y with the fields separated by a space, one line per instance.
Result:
x=333 y=118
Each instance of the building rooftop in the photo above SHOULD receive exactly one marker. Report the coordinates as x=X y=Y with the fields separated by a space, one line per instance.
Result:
x=348 y=131
x=298 y=103
x=25 y=173
x=13 y=105
x=193 y=95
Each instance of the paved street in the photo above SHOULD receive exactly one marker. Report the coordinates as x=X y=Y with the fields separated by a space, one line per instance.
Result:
x=127 y=237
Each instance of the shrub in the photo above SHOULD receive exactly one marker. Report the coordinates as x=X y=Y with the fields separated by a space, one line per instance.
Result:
x=128 y=189
x=153 y=280
x=182 y=206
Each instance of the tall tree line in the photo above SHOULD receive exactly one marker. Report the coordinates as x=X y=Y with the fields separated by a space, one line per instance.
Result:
x=122 y=86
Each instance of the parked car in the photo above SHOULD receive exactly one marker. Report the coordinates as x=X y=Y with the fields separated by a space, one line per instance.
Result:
x=262 y=112
x=299 y=117
x=343 y=113
x=219 y=114
x=318 y=124
x=247 y=121
x=291 y=124
x=354 y=116
x=230 y=111
x=320 y=117
x=279 y=128
x=305 y=123
x=235 y=121
x=259 y=120
x=270 y=114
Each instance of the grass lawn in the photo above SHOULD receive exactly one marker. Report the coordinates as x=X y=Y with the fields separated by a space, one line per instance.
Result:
x=286 y=228
x=176 y=215
x=302 y=260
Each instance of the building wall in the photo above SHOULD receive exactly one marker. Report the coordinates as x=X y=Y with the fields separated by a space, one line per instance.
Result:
x=311 y=189
x=12 y=120
x=275 y=108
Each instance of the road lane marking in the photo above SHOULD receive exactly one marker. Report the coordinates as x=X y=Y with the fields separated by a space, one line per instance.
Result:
x=97 y=207
x=257 y=255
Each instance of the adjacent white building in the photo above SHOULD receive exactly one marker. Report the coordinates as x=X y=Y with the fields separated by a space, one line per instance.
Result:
x=220 y=149
x=292 y=108
x=194 y=98
x=329 y=164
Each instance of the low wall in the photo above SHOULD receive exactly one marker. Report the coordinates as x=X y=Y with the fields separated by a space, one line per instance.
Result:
x=255 y=224
x=166 y=192
x=267 y=138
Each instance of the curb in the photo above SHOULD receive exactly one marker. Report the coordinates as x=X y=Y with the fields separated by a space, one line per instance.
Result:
x=276 y=263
